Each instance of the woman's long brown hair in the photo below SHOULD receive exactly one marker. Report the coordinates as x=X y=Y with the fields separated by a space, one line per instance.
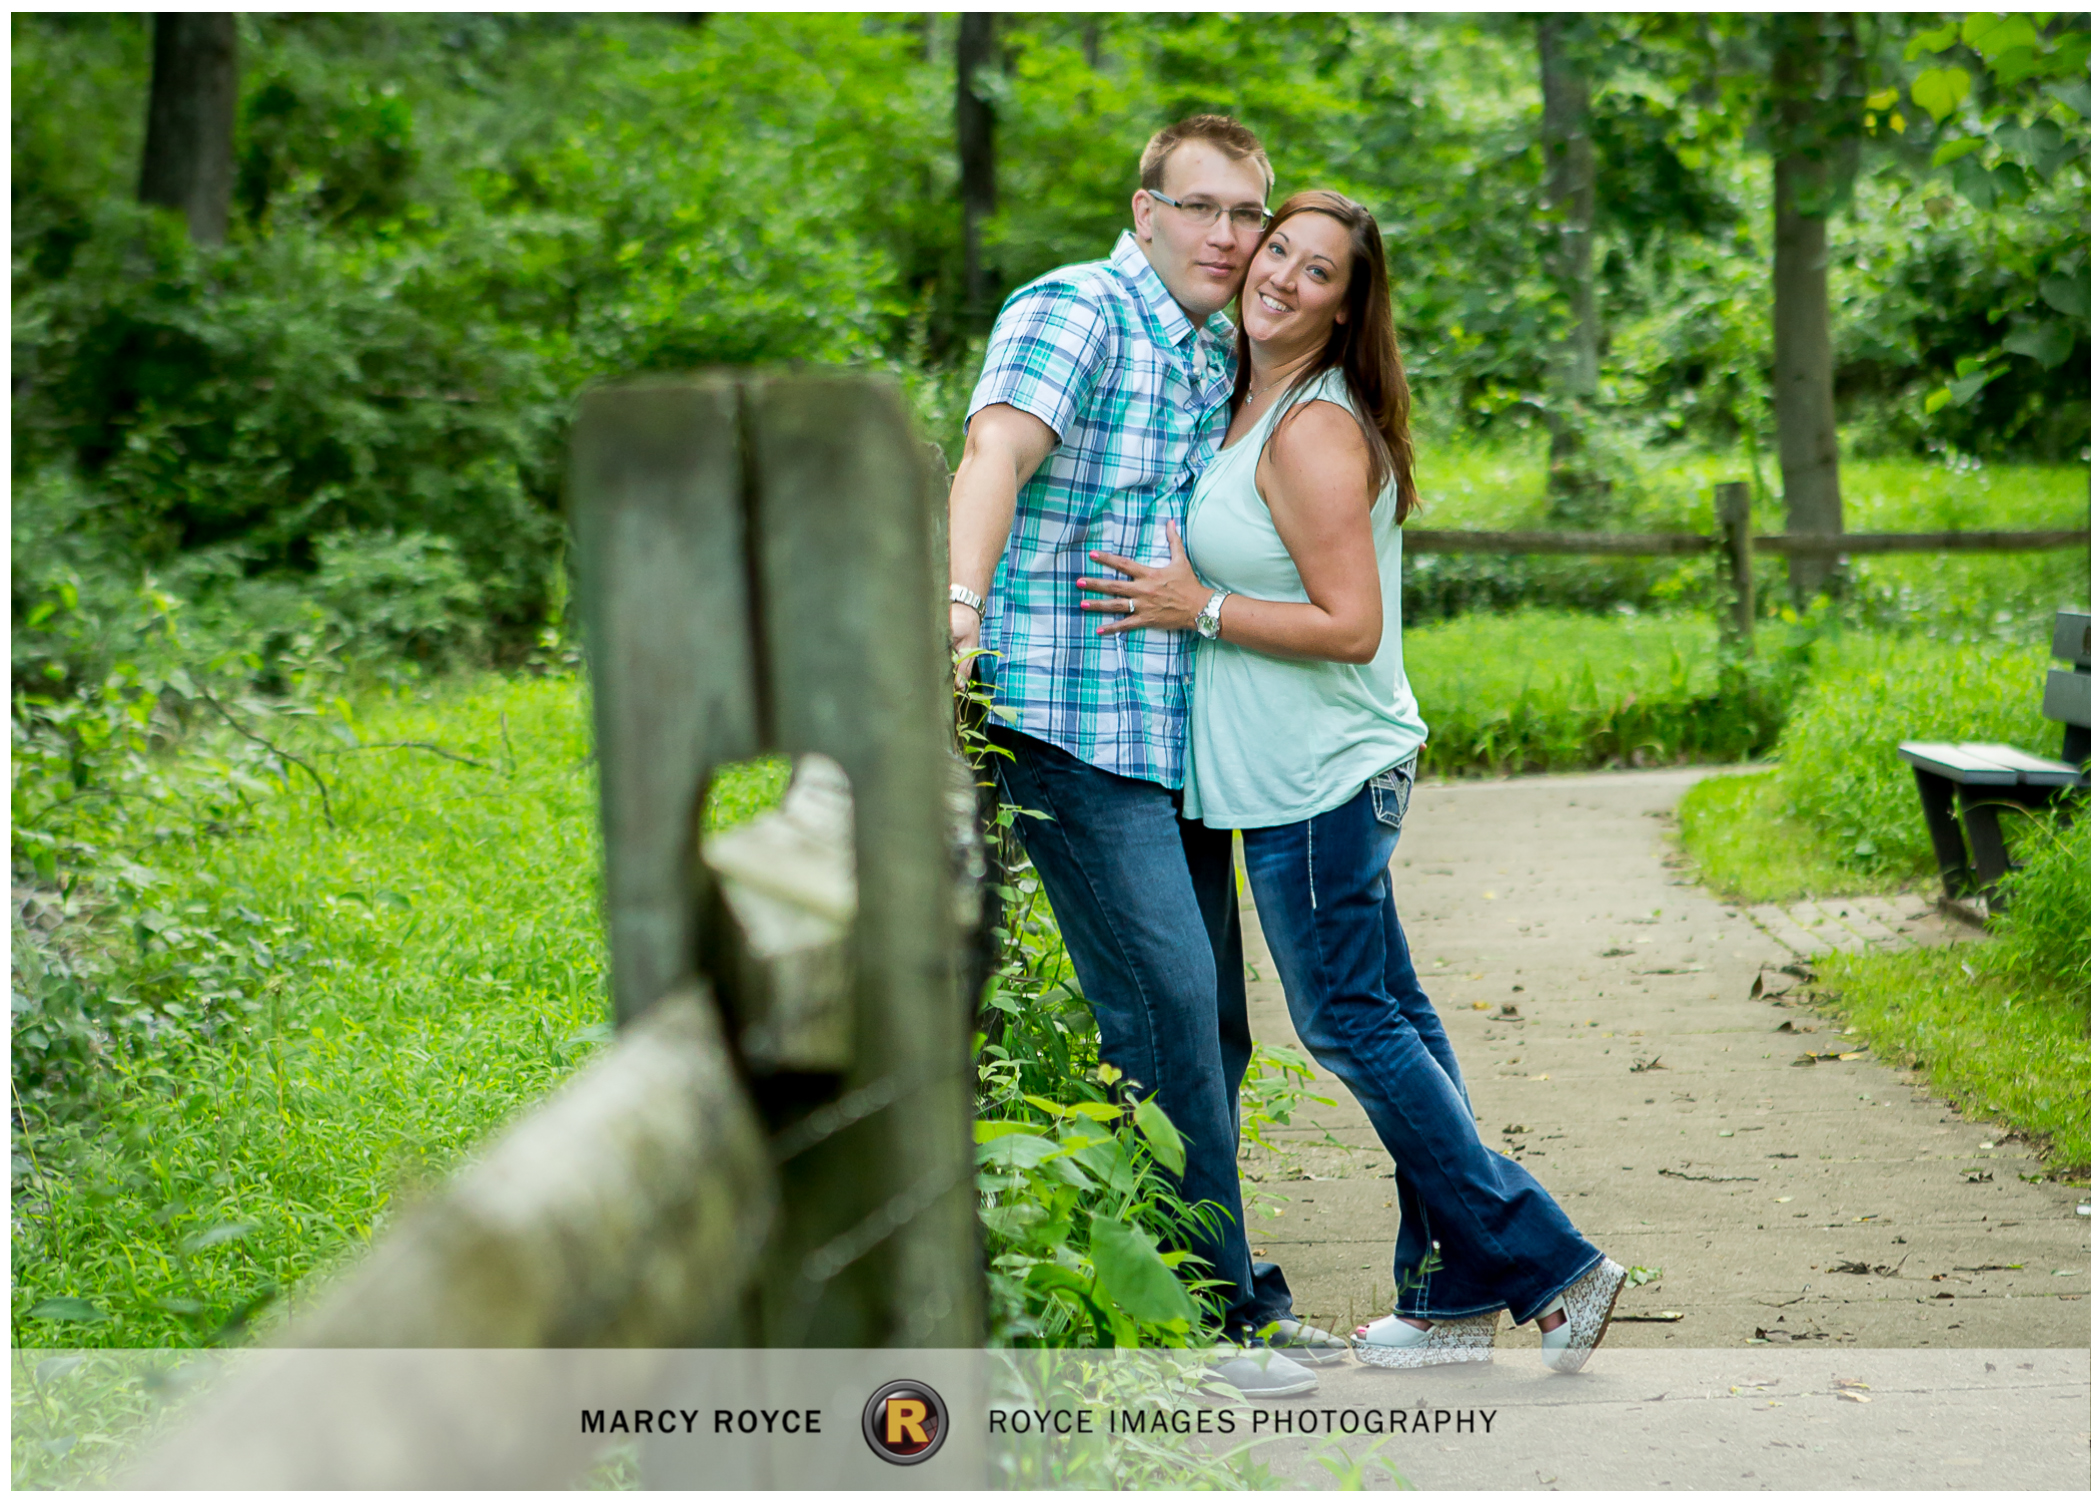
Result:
x=1363 y=345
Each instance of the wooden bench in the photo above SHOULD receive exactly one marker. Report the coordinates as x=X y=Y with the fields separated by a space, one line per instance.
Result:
x=1984 y=779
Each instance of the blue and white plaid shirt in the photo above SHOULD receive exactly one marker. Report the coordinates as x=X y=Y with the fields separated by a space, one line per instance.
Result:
x=1138 y=397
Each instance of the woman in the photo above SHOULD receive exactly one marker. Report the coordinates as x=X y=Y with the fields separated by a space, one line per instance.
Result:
x=1303 y=735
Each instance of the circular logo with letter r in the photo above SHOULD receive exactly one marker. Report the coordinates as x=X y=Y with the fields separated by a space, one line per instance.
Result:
x=905 y=1422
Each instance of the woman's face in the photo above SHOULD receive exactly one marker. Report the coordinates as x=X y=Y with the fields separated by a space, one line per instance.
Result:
x=1298 y=287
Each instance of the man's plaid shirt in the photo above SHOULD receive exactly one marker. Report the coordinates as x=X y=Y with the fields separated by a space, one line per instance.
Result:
x=1137 y=396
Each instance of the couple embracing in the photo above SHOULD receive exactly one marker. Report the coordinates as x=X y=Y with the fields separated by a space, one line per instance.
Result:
x=1247 y=676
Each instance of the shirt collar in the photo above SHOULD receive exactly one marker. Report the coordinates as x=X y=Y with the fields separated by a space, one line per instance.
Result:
x=1170 y=322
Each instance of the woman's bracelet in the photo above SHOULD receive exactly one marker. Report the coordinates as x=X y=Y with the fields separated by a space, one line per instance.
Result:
x=959 y=594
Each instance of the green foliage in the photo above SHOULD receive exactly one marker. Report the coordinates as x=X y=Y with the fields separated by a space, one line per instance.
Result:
x=1073 y=1202
x=1839 y=767
x=2047 y=927
x=448 y=225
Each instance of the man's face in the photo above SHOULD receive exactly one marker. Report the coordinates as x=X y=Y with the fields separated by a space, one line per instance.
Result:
x=1202 y=266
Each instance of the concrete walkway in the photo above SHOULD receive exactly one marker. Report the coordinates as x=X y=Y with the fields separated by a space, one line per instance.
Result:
x=1601 y=1005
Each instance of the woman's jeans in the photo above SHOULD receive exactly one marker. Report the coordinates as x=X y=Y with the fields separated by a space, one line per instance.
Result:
x=1149 y=912
x=1477 y=1232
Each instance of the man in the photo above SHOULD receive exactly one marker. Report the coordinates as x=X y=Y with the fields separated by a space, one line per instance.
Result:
x=1104 y=394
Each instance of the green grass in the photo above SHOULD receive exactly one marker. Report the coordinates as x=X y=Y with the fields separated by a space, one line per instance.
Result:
x=1990 y=1038
x=1487 y=485
x=1747 y=846
x=1552 y=690
x=1839 y=768
x=438 y=965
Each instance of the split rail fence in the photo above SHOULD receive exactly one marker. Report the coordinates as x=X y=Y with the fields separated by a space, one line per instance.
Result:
x=1733 y=540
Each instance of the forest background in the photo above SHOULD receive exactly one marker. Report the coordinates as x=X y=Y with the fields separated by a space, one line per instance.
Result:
x=287 y=465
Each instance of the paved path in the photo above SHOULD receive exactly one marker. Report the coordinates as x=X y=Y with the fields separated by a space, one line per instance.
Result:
x=1600 y=1004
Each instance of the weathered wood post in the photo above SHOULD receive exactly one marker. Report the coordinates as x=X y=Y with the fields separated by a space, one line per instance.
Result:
x=1732 y=526
x=757 y=568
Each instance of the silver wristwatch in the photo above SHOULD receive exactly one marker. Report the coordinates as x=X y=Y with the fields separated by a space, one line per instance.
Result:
x=1207 y=622
x=960 y=594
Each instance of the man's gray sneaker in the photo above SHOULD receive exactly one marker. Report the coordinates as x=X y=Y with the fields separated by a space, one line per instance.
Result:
x=1305 y=1343
x=1263 y=1373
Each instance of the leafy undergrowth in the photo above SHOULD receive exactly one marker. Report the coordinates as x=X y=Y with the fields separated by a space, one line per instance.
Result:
x=305 y=1023
x=1086 y=1239
x=1555 y=690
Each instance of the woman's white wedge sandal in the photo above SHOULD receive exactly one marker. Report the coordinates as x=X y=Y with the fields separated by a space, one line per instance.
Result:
x=1588 y=1304
x=1394 y=1344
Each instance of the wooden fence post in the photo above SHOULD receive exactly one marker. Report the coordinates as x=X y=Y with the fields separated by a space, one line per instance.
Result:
x=656 y=489
x=877 y=1238
x=1732 y=526
x=757 y=554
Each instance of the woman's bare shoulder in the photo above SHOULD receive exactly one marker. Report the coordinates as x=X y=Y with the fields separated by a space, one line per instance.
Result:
x=1317 y=434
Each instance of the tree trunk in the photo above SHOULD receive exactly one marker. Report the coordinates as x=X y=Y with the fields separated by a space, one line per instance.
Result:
x=1571 y=197
x=188 y=161
x=1808 y=166
x=973 y=144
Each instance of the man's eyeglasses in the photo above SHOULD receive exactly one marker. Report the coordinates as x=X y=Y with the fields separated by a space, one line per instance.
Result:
x=1245 y=219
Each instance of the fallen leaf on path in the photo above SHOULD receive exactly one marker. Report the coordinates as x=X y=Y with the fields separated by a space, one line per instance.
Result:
x=1481 y=1005
x=1788 y=1025
x=1650 y=1066
x=1542 y=1078
x=1488 y=896
x=1616 y=953
x=1660 y=1317
x=1848 y=1268
x=1699 y=1176
x=1854 y=1396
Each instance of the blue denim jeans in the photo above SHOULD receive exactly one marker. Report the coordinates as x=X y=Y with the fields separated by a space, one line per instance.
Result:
x=1148 y=907
x=1325 y=896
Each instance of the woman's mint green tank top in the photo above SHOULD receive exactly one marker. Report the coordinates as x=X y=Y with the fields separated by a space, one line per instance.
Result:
x=1274 y=740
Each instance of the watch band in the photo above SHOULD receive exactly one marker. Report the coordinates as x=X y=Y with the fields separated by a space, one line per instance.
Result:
x=959 y=594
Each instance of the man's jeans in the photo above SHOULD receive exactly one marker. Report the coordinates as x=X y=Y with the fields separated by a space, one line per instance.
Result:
x=1325 y=897
x=1147 y=905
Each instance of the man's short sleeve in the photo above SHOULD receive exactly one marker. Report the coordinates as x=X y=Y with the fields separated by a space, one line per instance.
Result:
x=1046 y=353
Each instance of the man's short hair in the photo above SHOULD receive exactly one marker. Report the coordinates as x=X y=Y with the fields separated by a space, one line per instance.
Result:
x=1229 y=136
